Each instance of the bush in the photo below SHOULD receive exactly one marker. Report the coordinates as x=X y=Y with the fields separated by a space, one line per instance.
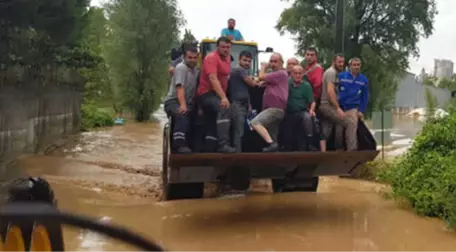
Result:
x=426 y=175
x=370 y=170
x=93 y=117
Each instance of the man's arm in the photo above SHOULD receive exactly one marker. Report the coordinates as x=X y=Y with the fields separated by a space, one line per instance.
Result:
x=317 y=78
x=364 y=98
x=332 y=90
x=247 y=79
x=268 y=77
x=179 y=82
x=210 y=66
x=241 y=38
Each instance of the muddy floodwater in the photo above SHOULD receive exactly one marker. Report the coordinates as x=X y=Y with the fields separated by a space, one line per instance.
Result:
x=113 y=175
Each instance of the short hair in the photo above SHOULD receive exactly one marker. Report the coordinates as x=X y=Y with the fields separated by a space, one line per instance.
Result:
x=231 y=19
x=246 y=54
x=190 y=49
x=186 y=45
x=335 y=56
x=278 y=55
x=223 y=39
x=312 y=49
x=293 y=59
x=354 y=59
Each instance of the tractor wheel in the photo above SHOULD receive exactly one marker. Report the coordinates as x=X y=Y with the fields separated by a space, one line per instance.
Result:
x=302 y=185
x=184 y=191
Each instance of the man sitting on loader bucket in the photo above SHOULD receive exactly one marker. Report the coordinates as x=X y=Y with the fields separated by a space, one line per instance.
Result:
x=180 y=102
x=275 y=96
x=300 y=112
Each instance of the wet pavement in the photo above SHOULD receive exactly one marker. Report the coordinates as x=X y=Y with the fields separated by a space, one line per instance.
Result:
x=113 y=175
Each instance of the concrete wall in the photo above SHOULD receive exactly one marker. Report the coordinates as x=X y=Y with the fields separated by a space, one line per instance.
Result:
x=37 y=109
x=411 y=94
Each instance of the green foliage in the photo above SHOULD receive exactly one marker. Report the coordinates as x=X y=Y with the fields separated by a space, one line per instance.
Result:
x=383 y=33
x=370 y=170
x=93 y=117
x=188 y=37
x=141 y=33
x=426 y=175
x=43 y=32
x=431 y=104
x=98 y=83
x=449 y=84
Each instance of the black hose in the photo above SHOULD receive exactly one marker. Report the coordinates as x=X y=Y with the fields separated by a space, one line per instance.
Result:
x=47 y=213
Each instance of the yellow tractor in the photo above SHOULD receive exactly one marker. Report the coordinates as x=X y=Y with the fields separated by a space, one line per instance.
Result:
x=184 y=175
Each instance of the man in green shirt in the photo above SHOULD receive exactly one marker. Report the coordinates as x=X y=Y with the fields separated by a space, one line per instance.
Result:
x=300 y=110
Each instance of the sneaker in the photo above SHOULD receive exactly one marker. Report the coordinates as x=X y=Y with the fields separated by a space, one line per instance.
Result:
x=272 y=147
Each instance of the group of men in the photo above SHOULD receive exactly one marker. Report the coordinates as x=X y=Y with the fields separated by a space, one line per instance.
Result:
x=293 y=97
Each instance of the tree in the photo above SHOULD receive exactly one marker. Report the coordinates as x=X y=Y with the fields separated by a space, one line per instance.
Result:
x=430 y=81
x=383 y=33
x=449 y=84
x=140 y=36
x=189 y=38
x=38 y=32
x=98 y=86
x=431 y=104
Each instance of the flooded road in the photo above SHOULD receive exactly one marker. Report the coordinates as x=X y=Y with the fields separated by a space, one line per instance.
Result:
x=113 y=175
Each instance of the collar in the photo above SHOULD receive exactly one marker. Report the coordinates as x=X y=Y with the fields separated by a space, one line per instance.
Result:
x=311 y=65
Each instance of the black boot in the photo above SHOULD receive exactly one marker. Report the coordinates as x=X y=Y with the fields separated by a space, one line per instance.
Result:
x=226 y=149
x=272 y=147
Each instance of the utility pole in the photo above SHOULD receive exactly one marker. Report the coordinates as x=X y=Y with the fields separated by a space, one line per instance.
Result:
x=339 y=42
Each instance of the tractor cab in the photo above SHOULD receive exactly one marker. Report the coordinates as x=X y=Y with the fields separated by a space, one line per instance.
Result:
x=209 y=45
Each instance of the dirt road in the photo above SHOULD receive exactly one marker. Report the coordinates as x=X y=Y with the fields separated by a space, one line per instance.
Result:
x=113 y=175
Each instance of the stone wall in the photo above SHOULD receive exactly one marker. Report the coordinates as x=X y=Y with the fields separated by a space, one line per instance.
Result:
x=37 y=107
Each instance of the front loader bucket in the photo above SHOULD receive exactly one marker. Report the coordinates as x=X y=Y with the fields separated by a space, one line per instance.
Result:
x=317 y=163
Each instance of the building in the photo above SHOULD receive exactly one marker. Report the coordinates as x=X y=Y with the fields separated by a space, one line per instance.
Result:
x=411 y=94
x=443 y=69
x=423 y=75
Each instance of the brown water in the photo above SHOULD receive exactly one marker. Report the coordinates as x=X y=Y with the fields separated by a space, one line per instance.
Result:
x=113 y=175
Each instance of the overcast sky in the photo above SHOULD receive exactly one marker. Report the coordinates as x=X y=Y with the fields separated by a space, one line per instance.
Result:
x=206 y=18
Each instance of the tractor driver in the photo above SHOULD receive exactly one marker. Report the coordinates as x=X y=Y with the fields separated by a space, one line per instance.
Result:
x=212 y=96
x=180 y=101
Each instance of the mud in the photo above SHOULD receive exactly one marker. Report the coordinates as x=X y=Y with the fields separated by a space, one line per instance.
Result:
x=113 y=175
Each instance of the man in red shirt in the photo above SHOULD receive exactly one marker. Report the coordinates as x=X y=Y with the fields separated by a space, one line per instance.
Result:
x=314 y=72
x=212 y=97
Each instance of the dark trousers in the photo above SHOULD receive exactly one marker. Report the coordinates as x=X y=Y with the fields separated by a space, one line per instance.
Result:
x=297 y=131
x=181 y=123
x=239 y=110
x=217 y=122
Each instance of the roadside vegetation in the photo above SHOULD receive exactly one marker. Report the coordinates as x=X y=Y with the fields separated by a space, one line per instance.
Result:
x=426 y=175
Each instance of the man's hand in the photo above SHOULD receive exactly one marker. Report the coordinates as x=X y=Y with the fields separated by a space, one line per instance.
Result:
x=312 y=113
x=183 y=109
x=200 y=112
x=360 y=115
x=264 y=65
x=340 y=113
x=224 y=103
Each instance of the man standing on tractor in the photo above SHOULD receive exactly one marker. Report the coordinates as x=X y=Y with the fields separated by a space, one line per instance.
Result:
x=291 y=63
x=180 y=101
x=212 y=96
x=353 y=99
x=329 y=109
x=300 y=110
x=232 y=33
x=274 y=101
x=238 y=90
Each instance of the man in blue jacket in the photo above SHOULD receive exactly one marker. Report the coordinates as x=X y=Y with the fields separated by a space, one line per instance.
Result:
x=353 y=99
